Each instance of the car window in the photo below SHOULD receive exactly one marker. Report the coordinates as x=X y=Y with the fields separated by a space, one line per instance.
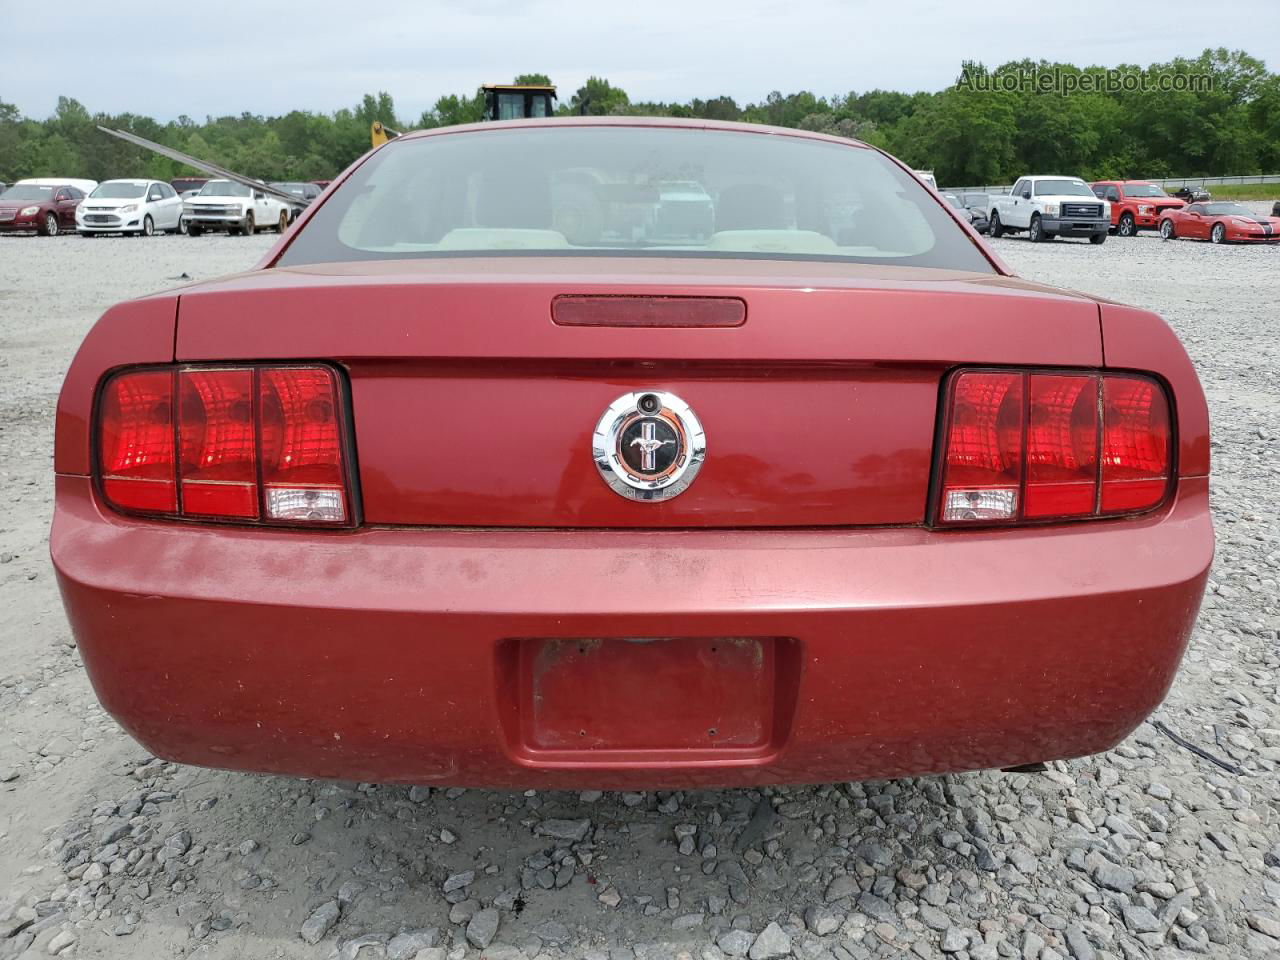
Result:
x=119 y=190
x=1062 y=188
x=224 y=188
x=1195 y=208
x=1113 y=194
x=28 y=191
x=1100 y=191
x=1227 y=209
x=1018 y=188
x=154 y=193
x=76 y=193
x=633 y=191
x=61 y=195
x=1143 y=190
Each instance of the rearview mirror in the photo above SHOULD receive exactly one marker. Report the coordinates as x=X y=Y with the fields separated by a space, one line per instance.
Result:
x=1026 y=194
x=257 y=195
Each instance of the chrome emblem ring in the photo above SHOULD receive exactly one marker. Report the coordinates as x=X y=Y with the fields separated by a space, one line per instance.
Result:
x=648 y=445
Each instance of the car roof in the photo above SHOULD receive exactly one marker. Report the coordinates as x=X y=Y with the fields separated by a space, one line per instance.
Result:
x=78 y=183
x=127 y=180
x=673 y=122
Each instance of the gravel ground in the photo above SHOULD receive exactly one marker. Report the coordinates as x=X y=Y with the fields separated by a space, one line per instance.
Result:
x=1147 y=851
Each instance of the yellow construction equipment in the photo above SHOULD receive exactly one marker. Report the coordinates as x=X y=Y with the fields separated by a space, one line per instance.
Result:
x=502 y=101
x=380 y=134
x=517 y=101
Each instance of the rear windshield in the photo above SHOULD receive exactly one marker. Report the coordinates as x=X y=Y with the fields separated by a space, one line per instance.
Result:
x=633 y=191
x=120 y=190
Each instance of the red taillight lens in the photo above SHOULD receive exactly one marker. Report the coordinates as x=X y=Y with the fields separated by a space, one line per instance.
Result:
x=984 y=447
x=136 y=449
x=1062 y=447
x=302 y=472
x=260 y=444
x=1135 y=445
x=1026 y=446
x=218 y=443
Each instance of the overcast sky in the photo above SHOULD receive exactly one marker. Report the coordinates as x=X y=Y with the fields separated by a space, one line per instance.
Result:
x=231 y=57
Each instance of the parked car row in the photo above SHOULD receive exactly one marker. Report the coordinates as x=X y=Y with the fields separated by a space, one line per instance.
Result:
x=50 y=206
x=1047 y=207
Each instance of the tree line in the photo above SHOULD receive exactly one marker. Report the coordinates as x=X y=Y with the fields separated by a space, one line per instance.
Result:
x=991 y=128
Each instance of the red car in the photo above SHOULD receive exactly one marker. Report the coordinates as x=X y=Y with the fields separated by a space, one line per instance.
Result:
x=492 y=473
x=1135 y=204
x=40 y=208
x=1219 y=221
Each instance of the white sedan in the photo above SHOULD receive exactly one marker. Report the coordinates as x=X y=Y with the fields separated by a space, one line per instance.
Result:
x=141 y=207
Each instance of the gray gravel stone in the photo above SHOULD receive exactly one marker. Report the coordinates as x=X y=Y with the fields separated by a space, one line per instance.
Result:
x=821 y=920
x=574 y=831
x=736 y=943
x=772 y=942
x=1139 y=919
x=1078 y=943
x=483 y=928
x=459 y=881
x=320 y=922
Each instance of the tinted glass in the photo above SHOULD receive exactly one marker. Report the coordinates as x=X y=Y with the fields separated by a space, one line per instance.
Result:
x=1062 y=188
x=118 y=190
x=28 y=191
x=1143 y=190
x=633 y=191
x=224 y=188
x=1228 y=210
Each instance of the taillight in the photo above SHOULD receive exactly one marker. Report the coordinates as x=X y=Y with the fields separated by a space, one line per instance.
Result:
x=136 y=444
x=256 y=444
x=1023 y=446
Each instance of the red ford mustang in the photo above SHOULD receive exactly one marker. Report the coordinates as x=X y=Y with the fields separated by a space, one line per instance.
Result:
x=629 y=453
x=1219 y=221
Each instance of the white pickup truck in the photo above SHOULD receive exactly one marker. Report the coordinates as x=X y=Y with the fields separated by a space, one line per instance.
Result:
x=1048 y=207
x=227 y=205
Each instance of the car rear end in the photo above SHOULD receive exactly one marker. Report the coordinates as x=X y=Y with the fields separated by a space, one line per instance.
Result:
x=345 y=519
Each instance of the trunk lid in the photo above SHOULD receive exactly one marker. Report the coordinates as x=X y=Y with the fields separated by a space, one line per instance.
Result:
x=471 y=407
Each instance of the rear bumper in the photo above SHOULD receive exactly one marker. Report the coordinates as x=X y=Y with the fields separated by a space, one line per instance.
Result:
x=395 y=655
x=1074 y=228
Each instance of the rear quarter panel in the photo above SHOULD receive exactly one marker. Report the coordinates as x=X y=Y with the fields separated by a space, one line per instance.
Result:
x=134 y=332
x=1136 y=339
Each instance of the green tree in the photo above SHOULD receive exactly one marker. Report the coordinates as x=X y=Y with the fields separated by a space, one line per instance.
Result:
x=599 y=98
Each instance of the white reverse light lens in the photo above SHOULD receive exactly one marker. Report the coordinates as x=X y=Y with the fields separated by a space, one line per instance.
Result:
x=306 y=504
x=991 y=503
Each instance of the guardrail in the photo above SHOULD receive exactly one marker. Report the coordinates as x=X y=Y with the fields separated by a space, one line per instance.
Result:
x=1167 y=182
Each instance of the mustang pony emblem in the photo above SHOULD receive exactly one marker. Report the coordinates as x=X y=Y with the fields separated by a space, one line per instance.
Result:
x=648 y=446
